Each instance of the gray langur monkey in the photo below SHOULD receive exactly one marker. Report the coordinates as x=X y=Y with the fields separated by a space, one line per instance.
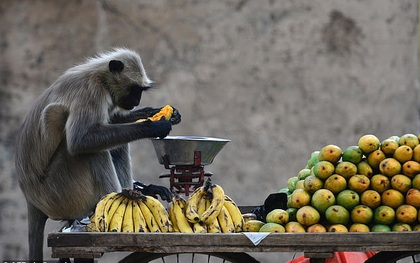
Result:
x=72 y=147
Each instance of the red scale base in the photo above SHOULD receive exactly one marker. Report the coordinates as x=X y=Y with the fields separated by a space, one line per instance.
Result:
x=185 y=178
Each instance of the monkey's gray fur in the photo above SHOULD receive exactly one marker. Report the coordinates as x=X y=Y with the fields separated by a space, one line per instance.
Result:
x=72 y=147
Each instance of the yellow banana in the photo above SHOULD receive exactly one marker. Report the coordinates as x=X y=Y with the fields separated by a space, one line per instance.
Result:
x=151 y=222
x=217 y=201
x=202 y=206
x=207 y=202
x=116 y=222
x=235 y=213
x=91 y=227
x=113 y=206
x=225 y=221
x=159 y=212
x=199 y=227
x=139 y=222
x=191 y=210
x=214 y=226
x=172 y=216
x=101 y=211
x=182 y=222
x=128 y=225
x=92 y=218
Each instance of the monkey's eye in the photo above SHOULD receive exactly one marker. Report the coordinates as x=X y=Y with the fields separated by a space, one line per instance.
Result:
x=116 y=66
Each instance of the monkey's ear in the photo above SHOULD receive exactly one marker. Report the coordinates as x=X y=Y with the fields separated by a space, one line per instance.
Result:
x=116 y=66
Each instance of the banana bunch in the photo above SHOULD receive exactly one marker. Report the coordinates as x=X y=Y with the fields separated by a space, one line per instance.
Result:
x=91 y=227
x=208 y=210
x=129 y=211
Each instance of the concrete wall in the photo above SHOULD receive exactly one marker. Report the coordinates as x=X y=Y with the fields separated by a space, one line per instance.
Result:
x=278 y=78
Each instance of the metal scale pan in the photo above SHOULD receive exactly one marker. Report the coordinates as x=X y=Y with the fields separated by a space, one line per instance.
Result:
x=180 y=149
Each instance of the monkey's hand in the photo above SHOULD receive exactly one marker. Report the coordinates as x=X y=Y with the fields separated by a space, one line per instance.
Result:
x=154 y=190
x=176 y=117
x=156 y=128
x=167 y=113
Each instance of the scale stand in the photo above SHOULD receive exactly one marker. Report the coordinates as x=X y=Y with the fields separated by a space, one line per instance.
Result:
x=185 y=178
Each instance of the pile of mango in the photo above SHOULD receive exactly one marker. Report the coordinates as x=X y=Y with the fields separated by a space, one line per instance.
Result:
x=373 y=186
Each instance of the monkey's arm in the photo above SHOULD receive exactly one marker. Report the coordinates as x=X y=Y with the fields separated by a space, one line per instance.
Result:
x=83 y=138
x=144 y=113
x=154 y=190
x=53 y=120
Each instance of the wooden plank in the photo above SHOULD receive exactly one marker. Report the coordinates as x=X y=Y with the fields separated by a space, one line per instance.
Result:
x=70 y=239
x=238 y=242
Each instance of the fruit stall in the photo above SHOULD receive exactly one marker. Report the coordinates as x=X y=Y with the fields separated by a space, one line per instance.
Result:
x=359 y=204
x=316 y=246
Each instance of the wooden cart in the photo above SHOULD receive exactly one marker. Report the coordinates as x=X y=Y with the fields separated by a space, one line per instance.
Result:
x=233 y=247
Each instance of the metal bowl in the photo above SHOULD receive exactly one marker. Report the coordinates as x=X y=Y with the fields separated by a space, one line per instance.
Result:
x=180 y=149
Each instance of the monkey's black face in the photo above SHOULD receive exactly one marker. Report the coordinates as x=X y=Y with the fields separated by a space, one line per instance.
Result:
x=125 y=88
x=133 y=98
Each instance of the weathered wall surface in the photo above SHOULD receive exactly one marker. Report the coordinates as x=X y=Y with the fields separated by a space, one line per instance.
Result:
x=279 y=78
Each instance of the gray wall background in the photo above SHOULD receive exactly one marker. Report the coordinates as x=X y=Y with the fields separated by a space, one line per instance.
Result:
x=278 y=78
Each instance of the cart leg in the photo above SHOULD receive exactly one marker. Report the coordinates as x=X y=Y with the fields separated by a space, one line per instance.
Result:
x=318 y=257
x=83 y=260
